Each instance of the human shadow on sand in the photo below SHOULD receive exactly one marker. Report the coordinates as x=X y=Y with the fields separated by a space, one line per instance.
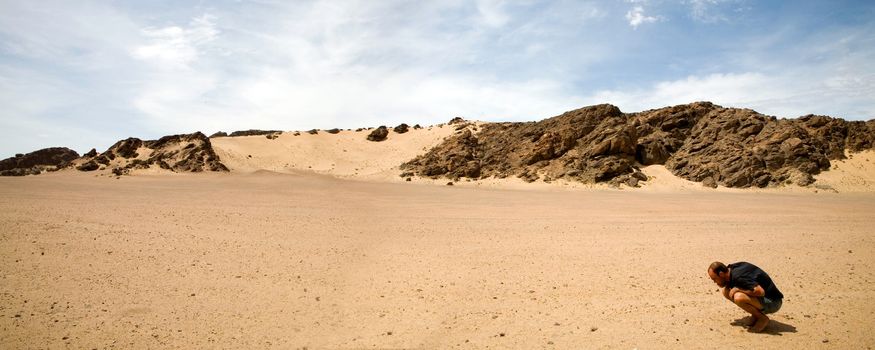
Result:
x=774 y=328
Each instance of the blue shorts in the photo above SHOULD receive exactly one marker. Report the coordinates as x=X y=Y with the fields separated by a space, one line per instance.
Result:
x=770 y=306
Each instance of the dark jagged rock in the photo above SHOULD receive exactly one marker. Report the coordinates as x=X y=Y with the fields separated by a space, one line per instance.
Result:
x=21 y=172
x=197 y=154
x=102 y=159
x=401 y=128
x=219 y=134
x=379 y=134
x=457 y=158
x=456 y=120
x=661 y=132
x=126 y=148
x=254 y=132
x=180 y=153
x=699 y=141
x=36 y=162
x=90 y=165
x=589 y=144
x=313 y=131
x=742 y=148
x=333 y=131
x=860 y=135
x=91 y=154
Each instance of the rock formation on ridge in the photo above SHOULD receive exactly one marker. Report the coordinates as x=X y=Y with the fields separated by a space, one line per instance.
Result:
x=379 y=134
x=36 y=162
x=699 y=141
x=178 y=153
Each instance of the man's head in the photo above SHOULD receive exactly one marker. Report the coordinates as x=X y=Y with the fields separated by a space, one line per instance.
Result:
x=719 y=273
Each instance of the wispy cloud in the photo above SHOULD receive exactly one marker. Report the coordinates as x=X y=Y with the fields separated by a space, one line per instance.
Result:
x=176 y=46
x=636 y=17
x=779 y=95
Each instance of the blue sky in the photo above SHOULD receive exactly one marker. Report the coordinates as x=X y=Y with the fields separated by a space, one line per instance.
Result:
x=85 y=74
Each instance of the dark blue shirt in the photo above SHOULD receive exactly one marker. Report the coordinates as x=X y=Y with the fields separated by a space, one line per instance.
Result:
x=747 y=276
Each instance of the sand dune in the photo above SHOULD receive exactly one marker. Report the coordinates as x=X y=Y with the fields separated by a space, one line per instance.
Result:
x=854 y=174
x=347 y=154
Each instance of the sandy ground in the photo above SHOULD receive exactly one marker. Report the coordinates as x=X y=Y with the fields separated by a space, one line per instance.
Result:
x=267 y=260
x=854 y=174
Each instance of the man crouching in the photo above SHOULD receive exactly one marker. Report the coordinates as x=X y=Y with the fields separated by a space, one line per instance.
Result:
x=750 y=288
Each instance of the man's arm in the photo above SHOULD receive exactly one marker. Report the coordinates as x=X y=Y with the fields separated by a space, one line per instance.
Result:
x=757 y=291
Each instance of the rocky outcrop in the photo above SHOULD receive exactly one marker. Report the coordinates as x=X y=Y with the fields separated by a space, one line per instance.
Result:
x=178 y=153
x=742 y=148
x=34 y=163
x=401 y=128
x=90 y=165
x=254 y=132
x=457 y=157
x=379 y=134
x=860 y=135
x=699 y=141
x=185 y=153
x=126 y=148
x=661 y=132
x=589 y=144
x=456 y=120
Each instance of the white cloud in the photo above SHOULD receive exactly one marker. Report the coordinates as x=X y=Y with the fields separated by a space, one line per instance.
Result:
x=176 y=46
x=287 y=98
x=787 y=95
x=730 y=89
x=636 y=17
x=330 y=66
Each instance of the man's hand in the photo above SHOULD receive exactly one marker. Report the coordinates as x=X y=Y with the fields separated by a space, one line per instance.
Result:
x=732 y=293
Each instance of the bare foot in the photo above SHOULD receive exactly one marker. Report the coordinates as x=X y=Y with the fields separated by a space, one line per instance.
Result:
x=760 y=324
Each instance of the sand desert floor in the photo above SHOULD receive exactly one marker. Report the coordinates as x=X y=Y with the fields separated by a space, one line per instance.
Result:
x=268 y=260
